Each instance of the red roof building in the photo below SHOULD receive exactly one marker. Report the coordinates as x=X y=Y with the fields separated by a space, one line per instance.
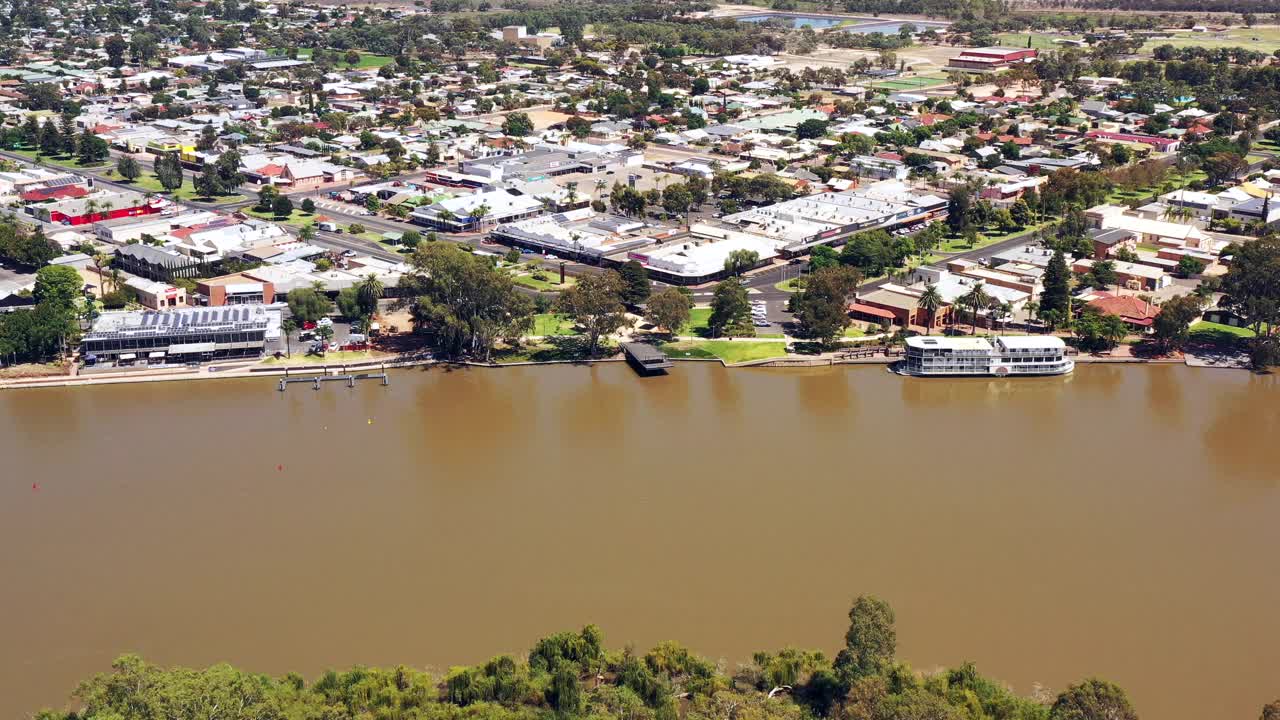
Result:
x=1133 y=310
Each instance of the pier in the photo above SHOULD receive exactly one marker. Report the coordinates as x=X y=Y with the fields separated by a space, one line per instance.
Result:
x=349 y=379
x=646 y=359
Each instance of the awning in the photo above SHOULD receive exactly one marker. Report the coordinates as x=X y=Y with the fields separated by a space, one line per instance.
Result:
x=870 y=310
x=189 y=348
x=128 y=356
x=156 y=354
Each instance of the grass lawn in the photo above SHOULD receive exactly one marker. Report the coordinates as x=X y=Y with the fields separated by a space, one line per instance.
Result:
x=699 y=321
x=148 y=183
x=297 y=218
x=1261 y=39
x=788 y=286
x=551 y=284
x=65 y=161
x=1038 y=41
x=1176 y=182
x=1211 y=328
x=957 y=244
x=913 y=83
x=548 y=324
x=853 y=331
x=1252 y=158
x=367 y=60
x=731 y=351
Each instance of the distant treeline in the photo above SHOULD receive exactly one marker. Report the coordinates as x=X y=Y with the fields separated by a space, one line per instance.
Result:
x=1200 y=6
x=932 y=8
x=572 y=675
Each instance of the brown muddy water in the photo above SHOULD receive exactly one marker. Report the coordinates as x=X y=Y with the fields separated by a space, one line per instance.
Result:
x=1123 y=522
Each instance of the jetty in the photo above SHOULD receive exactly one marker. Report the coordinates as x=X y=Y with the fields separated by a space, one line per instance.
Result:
x=646 y=359
x=349 y=379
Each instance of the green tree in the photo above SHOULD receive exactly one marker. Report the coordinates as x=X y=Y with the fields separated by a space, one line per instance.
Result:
x=288 y=326
x=308 y=304
x=871 y=640
x=128 y=168
x=823 y=256
x=1188 y=267
x=811 y=129
x=669 y=309
x=740 y=261
x=461 y=302
x=308 y=206
x=1055 y=301
x=976 y=300
x=517 y=124
x=822 y=308
x=1172 y=325
x=636 y=279
x=228 y=168
x=565 y=694
x=1252 y=284
x=281 y=207
x=931 y=301
x=207 y=183
x=369 y=291
x=1093 y=699
x=57 y=286
x=595 y=303
x=730 y=310
x=168 y=170
x=92 y=149
x=115 y=47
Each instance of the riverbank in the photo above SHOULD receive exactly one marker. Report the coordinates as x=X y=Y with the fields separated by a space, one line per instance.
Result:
x=216 y=372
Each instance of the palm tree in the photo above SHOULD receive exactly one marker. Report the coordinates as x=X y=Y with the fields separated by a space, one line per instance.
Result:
x=100 y=261
x=931 y=301
x=975 y=300
x=289 y=326
x=369 y=291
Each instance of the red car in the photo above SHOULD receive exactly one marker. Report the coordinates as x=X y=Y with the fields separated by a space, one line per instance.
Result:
x=309 y=325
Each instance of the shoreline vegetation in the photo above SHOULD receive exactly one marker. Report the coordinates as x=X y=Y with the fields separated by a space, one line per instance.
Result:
x=573 y=675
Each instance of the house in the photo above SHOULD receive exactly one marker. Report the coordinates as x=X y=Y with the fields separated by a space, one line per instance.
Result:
x=235 y=289
x=1107 y=243
x=1161 y=144
x=155 y=295
x=1134 y=276
x=1133 y=310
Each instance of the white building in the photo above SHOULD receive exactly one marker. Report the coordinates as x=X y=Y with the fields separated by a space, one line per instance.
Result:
x=496 y=206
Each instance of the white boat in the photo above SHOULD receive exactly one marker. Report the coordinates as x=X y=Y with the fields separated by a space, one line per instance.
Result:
x=1002 y=356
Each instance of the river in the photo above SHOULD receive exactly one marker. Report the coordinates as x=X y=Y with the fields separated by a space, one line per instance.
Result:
x=1123 y=522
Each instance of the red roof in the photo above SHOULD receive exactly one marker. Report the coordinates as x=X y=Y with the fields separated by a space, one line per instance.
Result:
x=65 y=192
x=1132 y=310
x=870 y=310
